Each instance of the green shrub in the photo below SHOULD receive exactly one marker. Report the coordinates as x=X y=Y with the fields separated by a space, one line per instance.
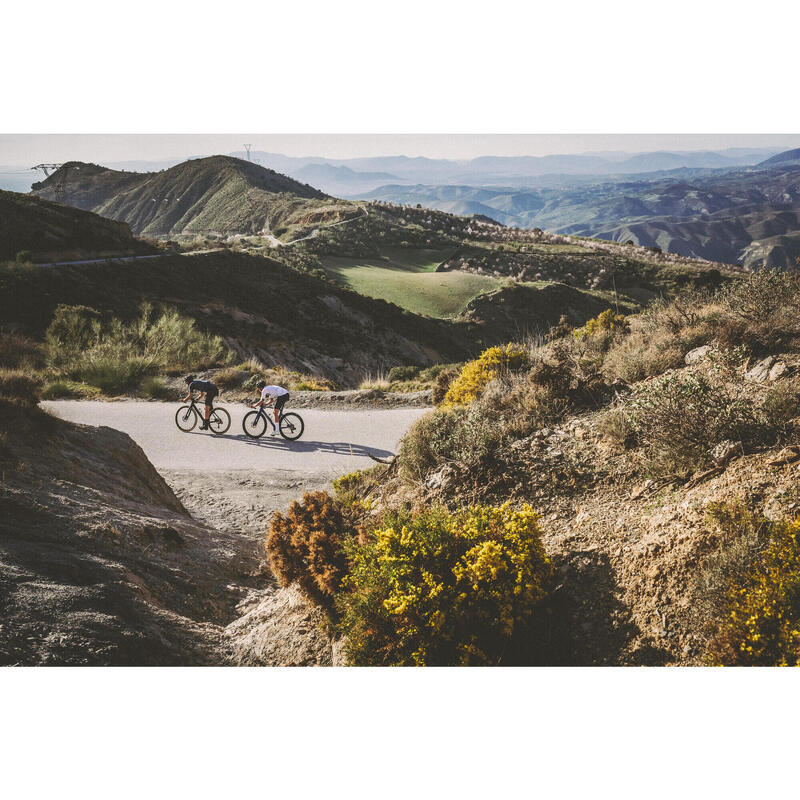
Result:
x=111 y=376
x=80 y=344
x=156 y=388
x=442 y=385
x=432 y=373
x=230 y=378
x=781 y=407
x=352 y=487
x=18 y=386
x=20 y=352
x=762 y=294
x=403 y=373
x=615 y=426
x=72 y=331
x=312 y=385
x=680 y=417
x=61 y=389
x=435 y=588
x=475 y=375
x=463 y=436
x=306 y=546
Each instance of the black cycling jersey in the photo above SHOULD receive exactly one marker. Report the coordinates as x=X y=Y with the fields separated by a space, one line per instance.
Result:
x=203 y=386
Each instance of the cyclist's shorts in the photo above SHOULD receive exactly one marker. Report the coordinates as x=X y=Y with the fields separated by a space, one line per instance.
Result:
x=209 y=401
x=280 y=402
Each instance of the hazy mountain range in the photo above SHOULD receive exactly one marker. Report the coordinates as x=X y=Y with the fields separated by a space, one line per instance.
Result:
x=341 y=177
x=746 y=215
x=736 y=206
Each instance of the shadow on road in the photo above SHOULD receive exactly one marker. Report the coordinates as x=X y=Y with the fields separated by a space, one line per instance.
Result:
x=278 y=443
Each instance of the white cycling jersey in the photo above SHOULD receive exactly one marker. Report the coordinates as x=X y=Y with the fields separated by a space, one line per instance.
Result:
x=273 y=391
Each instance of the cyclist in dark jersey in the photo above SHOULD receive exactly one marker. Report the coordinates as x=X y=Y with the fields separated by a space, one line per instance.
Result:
x=204 y=387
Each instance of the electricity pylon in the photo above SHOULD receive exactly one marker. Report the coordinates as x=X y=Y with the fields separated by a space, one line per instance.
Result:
x=45 y=167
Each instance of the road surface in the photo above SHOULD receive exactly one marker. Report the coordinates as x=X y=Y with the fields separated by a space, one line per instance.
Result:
x=334 y=442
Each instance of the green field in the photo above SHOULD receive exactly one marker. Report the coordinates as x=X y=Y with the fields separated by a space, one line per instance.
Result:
x=406 y=278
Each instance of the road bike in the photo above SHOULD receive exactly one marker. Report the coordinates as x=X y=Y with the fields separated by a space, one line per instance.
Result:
x=255 y=423
x=186 y=417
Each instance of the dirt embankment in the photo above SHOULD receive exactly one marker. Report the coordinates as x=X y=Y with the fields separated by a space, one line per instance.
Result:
x=104 y=562
x=270 y=626
x=100 y=563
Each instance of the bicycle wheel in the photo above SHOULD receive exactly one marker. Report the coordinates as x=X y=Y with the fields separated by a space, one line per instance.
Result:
x=254 y=424
x=186 y=418
x=219 y=421
x=292 y=426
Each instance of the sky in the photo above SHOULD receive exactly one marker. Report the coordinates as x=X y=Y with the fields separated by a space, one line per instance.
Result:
x=30 y=149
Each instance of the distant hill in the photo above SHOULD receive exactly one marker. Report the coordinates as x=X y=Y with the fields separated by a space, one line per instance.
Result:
x=216 y=194
x=787 y=158
x=341 y=180
x=694 y=214
x=751 y=237
x=52 y=231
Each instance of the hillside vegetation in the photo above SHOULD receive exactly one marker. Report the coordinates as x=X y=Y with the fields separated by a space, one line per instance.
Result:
x=32 y=228
x=287 y=317
x=652 y=463
x=219 y=194
x=387 y=253
x=259 y=308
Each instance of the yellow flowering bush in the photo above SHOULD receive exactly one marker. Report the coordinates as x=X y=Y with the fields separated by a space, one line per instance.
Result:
x=436 y=588
x=605 y=322
x=476 y=375
x=762 y=623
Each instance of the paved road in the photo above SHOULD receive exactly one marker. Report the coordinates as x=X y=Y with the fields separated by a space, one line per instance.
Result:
x=333 y=441
x=127 y=258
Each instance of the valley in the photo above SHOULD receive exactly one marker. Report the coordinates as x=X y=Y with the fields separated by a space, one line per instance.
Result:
x=409 y=279
x=745 y=216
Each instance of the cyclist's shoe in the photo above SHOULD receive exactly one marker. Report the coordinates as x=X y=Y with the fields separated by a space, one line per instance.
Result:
x=204 y=426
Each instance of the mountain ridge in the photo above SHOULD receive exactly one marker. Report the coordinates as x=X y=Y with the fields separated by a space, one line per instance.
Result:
x=195 y=196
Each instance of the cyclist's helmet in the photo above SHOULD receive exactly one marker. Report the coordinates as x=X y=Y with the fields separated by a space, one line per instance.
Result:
x=189 y=378
x=261 y=384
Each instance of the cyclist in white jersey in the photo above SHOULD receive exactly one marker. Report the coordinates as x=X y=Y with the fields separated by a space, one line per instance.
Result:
x=275 y=396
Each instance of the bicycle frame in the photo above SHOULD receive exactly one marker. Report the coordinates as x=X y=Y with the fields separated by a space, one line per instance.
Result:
x=262 y=413
x=195 y=403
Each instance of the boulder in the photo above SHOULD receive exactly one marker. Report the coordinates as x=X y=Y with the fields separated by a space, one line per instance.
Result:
x=438 y=480
x=761 y=370
x=698 y=354
x=723 y=452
